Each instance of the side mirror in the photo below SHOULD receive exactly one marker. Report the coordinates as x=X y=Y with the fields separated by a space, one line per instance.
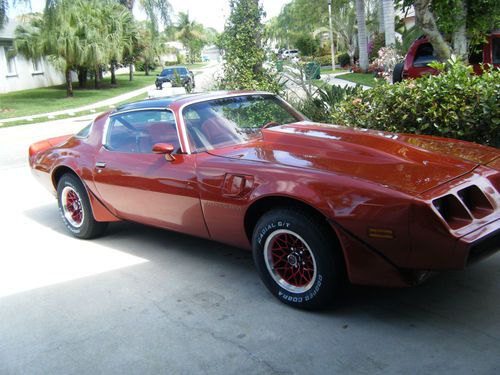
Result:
x=166 y=149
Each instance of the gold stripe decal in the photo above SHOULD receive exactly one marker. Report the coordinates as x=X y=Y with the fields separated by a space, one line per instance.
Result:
x=380 y=233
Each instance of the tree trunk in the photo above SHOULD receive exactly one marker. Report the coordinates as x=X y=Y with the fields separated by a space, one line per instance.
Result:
x=381 y=28
x=459 y=37
x=96 y=78
x=113 y=75
x=362 y=38
x=69 y=83
x=100 y=73
x=131 y=71
x=146 y=68
x=390 y=35
x=80 y=77
x=426 y=21
x=257 y=68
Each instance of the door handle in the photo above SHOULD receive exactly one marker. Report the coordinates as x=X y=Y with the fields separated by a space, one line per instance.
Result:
x=100 y=165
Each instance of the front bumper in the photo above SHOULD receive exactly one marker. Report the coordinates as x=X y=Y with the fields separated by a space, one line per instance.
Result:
x=479 y=244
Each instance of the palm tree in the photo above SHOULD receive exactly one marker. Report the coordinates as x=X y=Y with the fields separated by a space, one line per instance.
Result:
x=362 y=37
x=190 y=34
x=4 y=7
x=388 y=16
x=156 y=11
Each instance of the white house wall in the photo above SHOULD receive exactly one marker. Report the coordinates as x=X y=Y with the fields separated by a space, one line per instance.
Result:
x=25 y=77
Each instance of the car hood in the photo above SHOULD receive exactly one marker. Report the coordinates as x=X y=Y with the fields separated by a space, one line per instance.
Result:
x=408 y=163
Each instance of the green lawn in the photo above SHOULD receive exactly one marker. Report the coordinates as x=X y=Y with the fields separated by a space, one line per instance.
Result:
x=325 y=70
x=94 y=111
x=51 y=99
x=363 y=79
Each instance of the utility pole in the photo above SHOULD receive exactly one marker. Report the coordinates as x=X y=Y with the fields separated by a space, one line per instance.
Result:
x=331 y=33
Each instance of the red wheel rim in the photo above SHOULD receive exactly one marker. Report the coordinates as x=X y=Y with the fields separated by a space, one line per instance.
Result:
x=72 y=206
x=290 y=261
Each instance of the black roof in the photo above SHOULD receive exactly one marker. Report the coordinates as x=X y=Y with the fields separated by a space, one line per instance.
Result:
x=152 y=103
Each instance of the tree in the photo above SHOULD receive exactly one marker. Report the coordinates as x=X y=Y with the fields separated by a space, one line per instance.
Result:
x=241 y=40
x=4 y=7
x=453 y=25
x=157 y=11
x=77 y=34
x=388 y=17
x=191 y=35
x=149 y=46
x=362 y=37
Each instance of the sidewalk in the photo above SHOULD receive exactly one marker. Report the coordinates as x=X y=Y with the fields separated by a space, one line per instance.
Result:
x=332 y=80
x=102 y=103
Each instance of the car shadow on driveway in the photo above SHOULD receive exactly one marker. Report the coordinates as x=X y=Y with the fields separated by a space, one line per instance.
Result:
x=465 y=295
x=197 y=306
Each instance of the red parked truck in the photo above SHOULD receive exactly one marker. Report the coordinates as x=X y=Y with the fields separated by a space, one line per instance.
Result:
x=421 y=54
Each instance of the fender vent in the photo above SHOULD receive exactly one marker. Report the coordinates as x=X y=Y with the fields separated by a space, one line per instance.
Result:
x=475 y=200
x=453 y=211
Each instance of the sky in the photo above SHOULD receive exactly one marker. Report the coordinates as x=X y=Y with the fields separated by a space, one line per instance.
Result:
x=211 y=13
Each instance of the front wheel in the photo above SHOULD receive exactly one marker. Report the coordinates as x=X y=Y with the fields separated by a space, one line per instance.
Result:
x=75 y=209
x=297 y=258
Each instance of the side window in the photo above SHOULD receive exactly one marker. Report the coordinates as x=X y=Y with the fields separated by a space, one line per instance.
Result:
x=139 y=131
x=424 y=55
x=495 y=53
x=476 y=54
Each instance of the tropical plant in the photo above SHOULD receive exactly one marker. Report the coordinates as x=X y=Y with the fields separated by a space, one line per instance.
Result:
x=81 y=35
x=191 y=34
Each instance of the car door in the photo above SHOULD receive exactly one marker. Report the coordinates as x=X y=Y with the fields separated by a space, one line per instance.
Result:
x=139 y=185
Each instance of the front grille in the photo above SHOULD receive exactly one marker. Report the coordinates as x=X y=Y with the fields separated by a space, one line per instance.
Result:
x=484 y=248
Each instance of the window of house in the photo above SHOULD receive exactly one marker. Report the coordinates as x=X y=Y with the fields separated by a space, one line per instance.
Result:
x=37 y=65
x=11 y=60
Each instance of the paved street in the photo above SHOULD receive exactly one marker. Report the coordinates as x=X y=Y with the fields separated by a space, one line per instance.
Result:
x=147 y=301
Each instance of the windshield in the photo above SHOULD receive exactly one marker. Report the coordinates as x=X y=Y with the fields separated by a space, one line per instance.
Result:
x=170 y=71
x=230 y=121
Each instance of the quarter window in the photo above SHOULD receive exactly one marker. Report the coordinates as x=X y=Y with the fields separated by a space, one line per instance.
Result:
x=496 y=50
x=137 y=132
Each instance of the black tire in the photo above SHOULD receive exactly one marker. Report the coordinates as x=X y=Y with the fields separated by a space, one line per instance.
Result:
x=77 y=216
x=314 y=246
x=397 y=73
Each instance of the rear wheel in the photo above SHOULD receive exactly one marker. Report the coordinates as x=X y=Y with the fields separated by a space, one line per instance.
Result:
x=397 y=73
x=297 y=259
x=75 y=209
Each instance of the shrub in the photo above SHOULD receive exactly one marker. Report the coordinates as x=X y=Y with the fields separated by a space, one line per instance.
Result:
x=139 y=66
x=306 y=44
x=324 y=60
x=455 y=104
x=343 y=59
x=325 y=101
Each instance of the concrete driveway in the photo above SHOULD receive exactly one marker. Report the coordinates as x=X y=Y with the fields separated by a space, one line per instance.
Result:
x=147 y=301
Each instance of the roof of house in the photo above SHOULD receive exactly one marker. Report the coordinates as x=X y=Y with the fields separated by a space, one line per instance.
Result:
x=8 y=31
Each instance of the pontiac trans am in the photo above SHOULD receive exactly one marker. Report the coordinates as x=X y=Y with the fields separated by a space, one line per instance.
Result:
x=319 y=205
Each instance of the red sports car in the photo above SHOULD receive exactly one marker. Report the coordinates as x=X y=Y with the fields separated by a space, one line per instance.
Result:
x=318 y=204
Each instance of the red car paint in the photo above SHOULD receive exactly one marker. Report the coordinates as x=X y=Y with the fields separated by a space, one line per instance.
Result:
x=379 y=191
x=413 y=69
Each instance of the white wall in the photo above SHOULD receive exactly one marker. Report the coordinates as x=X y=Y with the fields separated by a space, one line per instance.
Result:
x=25 y=77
